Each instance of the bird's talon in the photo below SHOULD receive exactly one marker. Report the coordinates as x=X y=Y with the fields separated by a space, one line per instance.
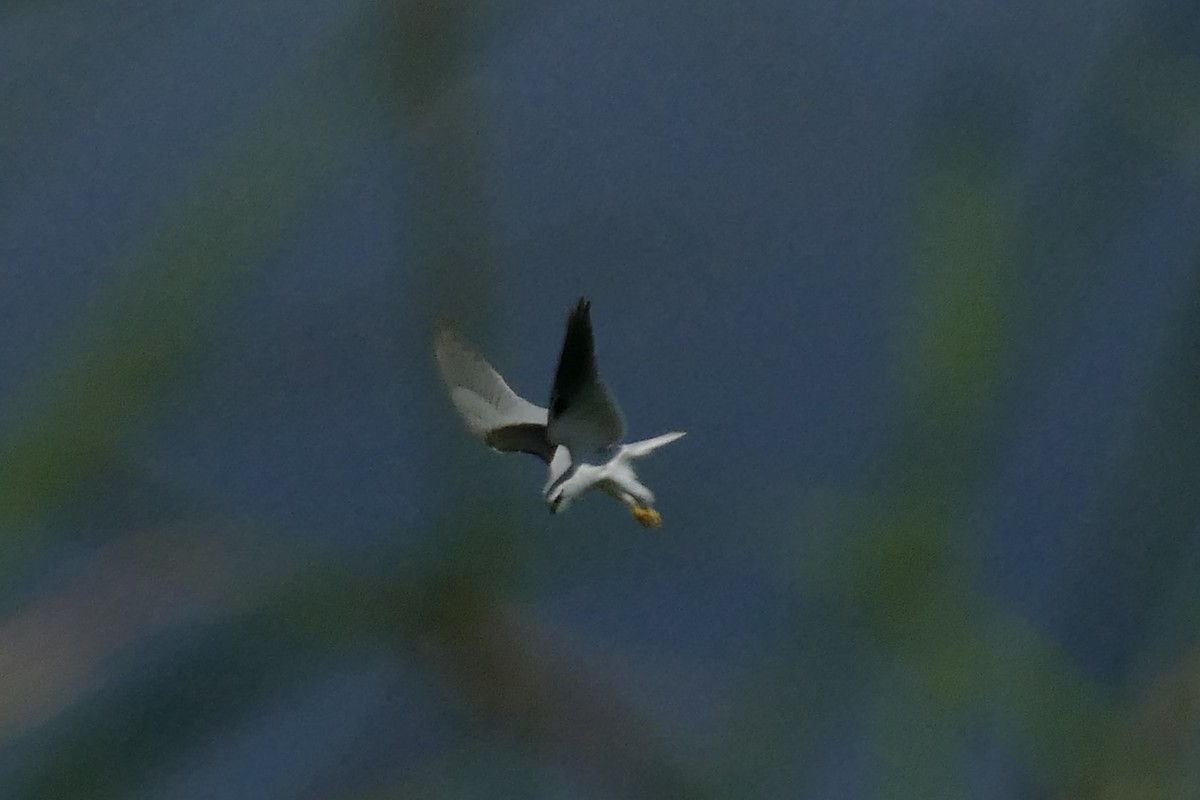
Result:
x=647 y=517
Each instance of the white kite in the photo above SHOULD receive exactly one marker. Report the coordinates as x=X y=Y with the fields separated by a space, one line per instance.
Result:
x=577 y=437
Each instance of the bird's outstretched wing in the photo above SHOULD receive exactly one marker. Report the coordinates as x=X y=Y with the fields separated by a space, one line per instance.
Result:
x=584 y=416
x=647 y=446
x=492 y=410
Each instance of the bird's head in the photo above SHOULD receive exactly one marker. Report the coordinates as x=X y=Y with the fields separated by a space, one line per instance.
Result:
x=556 y=493
x=557 y=500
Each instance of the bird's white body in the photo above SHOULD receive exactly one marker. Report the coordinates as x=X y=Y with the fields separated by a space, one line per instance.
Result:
x=572 y=478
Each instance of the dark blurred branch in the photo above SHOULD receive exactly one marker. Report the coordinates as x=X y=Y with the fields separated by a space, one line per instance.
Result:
x=1147 y=514
x=55 y=648
x=501 y=667
x=513 y=674
x=449 y=612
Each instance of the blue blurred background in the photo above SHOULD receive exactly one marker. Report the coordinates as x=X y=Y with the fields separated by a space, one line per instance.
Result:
x=920 y=280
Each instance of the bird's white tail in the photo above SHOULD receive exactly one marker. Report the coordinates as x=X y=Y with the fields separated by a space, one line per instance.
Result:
x=647 y=446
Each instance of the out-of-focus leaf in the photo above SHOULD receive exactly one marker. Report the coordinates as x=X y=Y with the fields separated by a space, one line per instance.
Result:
x=965 y=246
x=1136 y=122
x=919 y=747
x=886 y=567
x=424 y=43
x=140 y=335
x=1058 y=722
x=899 y=566
x=912 y=582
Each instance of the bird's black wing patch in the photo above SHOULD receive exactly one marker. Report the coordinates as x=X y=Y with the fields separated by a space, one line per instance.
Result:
x=583 y=413
x=577 y=362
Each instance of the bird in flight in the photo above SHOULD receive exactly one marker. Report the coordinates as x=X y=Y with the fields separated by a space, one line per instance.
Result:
x=578 y=437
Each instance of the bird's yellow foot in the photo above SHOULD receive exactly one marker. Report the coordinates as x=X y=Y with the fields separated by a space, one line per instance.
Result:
x=647 y=517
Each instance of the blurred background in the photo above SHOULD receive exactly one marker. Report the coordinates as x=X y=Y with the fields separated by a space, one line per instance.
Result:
x=921 y=280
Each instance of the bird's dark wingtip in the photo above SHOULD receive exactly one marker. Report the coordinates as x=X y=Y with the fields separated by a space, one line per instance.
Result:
x=579 y=323
x=577 y=360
